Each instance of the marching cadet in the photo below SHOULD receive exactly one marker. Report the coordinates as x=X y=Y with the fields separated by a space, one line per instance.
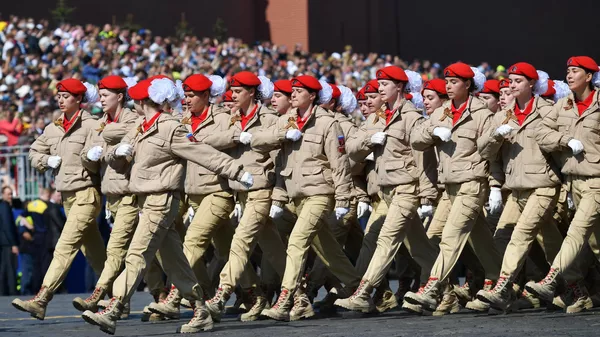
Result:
x=457 y=129
x=121 y=203
x=255 y=225
x=315 y=176
x=347 y=230
x=361 y=100
x=228 y=100
x=573 y=131
x=403 y=183
x=207 y=193
x=158 y=148
x=58 y=148
x=530 y=174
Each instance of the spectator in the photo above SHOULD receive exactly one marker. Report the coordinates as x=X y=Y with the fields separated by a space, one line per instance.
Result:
x=10 y=125
x=9 y=245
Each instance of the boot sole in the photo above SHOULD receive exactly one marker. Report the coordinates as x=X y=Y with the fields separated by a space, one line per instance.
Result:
x=362 y=309
x=165 y=315
x=34 y=315
x=80 y=307
x=305 y=316
x=93 y=322
x=184 y=330
x=415 y=302
x=536 y=294
x=268 y=315
x=445 y=312
x=585 y=308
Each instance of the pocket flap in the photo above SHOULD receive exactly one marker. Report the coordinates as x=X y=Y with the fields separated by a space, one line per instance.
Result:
x=147 y=174
x=312 y=138
x=398 y=134
x=466 y=133
x=535 y=168
x=309 y=171
x=254 y=170
x=394 y=165
x=460 y=166
x=77 y=139
x=157 y=142
x=592 y=157
x=588 y=123
x=157 y=200
x=286 y=172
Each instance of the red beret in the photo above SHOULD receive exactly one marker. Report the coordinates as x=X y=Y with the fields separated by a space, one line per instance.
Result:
x=71 y=85
x=140 y=90
x=504 y=83
x=336 y=91
x=392 y=73
x=112 y=82
x=438 y=85
x=459 y=69
x=157 y=77
x=244 y=79
x=228 y=96
x=551 y=91
x=284 y=86
x=372 y=87
x=197 y=82
x=491 y=87
x=524 y=69
x=307 y=82
x=360 y=95
x=584 y=62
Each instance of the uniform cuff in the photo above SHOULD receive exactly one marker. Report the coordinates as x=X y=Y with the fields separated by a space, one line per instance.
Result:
x=278 y=203
x=342 y=204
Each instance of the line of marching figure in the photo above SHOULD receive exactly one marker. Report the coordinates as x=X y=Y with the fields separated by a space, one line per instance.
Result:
x=491 y=173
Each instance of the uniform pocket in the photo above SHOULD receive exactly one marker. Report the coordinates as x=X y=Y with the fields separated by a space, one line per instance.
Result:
x=592 y=157
x=535 y=168
x=460 y=166
x=86 y=197
x=470 y=188
x=394 y=165
x=220 y=206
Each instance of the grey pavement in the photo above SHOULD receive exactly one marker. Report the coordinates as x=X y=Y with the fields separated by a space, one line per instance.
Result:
x=62 y=320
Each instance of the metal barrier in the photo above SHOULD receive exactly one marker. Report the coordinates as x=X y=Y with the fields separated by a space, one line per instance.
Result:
x=21 y=175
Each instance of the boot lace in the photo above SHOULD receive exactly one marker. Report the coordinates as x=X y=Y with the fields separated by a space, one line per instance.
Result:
x=282 y=299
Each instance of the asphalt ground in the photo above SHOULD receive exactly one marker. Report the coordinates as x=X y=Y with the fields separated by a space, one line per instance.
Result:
x=62 y=320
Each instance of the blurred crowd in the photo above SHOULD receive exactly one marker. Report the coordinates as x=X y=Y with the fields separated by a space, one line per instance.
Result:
x=38 y=54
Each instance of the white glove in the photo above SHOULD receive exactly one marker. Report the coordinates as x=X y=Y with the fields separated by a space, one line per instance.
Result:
x=370 y=209
x=95 y=153
x=576 y=146
x=237 y=212
x=276 y=212
x=495 y=200
x=378 y=138
x=191 y=214
x=362 y=209
x=570 y=202
x=107 y=212
x=245 y=138
x=247 y=180
x=340 y=212
x=425 y=211
x=294 y=135
x=370 y=157
x=442 y=133
x=504 y=130
x=54 y=161
x=124 y=150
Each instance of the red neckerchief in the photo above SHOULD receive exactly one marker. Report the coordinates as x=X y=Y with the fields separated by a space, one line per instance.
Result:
x=388 y=115
x=148 y=124
x=582 y=106
x=521 y=115
x=110 y=120
x=68 y=123
x=197 y=120
x=301 y=121
x=248 y=117
x=456 y=113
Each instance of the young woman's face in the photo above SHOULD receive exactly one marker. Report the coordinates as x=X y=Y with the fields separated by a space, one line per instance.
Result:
x=490 y=100
x=364 y=109
x=196 y=101
x=431 y=100
x=110 y=100
x=301 y=98
x=578 y=79
x=388 y=90
x=242 y=97
x=68 y=103
x=506 y=97
x=374 y=102
x=457 y=88
x=281 y=102
x=520 y=86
